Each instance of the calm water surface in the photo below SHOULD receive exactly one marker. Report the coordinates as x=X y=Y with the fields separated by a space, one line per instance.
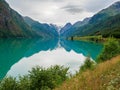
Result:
x=17 y=56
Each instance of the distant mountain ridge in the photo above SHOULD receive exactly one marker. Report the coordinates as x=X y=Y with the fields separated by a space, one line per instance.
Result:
x=106 y=23
x=45 y=30
x=68 y=29
x=112 y=10
x=13 y=25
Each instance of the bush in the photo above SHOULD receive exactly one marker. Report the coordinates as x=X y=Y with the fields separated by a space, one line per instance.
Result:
x=42 y=78
x=9 y=83
x=38 y=79
x=111 y=49
x=88 y=65
x=24 y=83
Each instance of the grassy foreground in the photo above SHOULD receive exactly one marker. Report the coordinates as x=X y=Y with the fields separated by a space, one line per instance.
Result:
x=106 y=76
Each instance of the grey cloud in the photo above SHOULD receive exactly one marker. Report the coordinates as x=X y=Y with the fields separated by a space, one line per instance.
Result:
x=58 y=0
x=50 y=0
x=73 y=9
x=97 y=5
x=69 y=10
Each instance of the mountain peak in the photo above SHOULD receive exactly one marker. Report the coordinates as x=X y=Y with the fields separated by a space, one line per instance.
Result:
x=68 y=24
x=66 y=27
x=116 y=5
x=81 y=23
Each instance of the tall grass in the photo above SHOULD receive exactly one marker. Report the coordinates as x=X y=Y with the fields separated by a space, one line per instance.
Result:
x=106 y=76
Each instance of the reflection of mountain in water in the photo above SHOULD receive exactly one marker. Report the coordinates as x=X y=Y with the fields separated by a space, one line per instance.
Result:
x=12 y=50
x=86 y=48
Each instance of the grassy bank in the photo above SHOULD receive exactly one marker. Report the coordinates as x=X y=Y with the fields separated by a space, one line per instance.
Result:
x=88 y=38
x=102 y=76
x=106 y=76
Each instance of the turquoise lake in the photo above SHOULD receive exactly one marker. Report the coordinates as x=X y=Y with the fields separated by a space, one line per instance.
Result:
x=18 y=56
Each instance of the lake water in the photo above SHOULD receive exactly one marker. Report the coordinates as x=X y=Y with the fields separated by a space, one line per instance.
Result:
x=18 y=56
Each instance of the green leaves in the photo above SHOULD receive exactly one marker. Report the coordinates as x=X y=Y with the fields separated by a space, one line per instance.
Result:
x=111 y=49
x=38 y=79
x=48 y=78
x=88 y=65
x=9 y=83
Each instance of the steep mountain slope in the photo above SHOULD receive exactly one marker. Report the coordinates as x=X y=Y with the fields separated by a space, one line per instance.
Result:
x=64 y=30
x=44 y=30
x=112 y=10
x=12 y=23
x=107 y=27
x=68 y=29
x=106 y=23
x=82 y=23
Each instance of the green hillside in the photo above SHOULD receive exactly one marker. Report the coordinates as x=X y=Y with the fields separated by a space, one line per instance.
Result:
x=106 y=23
x=45 y=30
x=12 y=24
x=107 y=27
x=106 y=76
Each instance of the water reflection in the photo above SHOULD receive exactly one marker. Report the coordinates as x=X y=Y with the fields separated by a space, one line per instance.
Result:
x=17 y=56
x=86 y=48
x=47 y=58
x=12 y=50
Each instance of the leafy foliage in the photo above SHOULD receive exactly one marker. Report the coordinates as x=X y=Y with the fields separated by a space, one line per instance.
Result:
x=87 y=65
x=38 y=79
x=47 y=78
x=111 y=49
x=9 y=83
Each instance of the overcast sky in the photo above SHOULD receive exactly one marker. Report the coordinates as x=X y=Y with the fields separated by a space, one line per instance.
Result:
x=59 y=11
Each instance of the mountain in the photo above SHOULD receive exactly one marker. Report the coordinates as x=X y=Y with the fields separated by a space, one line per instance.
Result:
x=106 y=23
x=112 y=10
x=45 y=30
x=81 y=23
x=67 y=26
x=12 y=23
x=68 y=29
x=107 y=27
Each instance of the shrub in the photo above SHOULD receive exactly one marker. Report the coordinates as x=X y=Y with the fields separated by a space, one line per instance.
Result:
x=38 y=79
x=24 y=83
x=111 y=49
x=88 y=65
x=49 y=78
x=9 y=83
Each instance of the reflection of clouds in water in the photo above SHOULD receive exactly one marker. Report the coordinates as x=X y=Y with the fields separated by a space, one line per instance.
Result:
x=48 y=58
